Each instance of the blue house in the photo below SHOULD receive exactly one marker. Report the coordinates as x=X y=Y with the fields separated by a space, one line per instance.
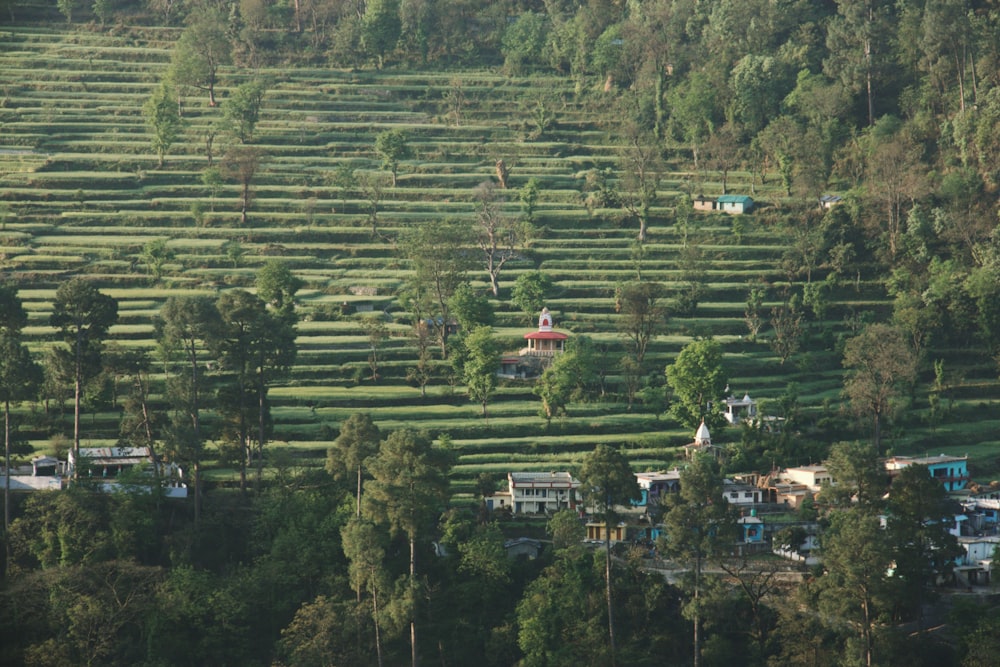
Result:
x=951 y=471
x=751 y=528
x=734 y=204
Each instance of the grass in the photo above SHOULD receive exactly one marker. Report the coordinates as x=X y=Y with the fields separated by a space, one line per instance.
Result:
x=80 y=194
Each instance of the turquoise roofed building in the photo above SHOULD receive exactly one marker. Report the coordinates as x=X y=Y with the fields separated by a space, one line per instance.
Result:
x=951 y=471
x=734 y=204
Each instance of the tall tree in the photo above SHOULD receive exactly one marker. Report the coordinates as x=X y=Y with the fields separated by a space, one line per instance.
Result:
x=698 y=381
x=241 y=163
x=699 y=526
x=482 y=360
x=380 y=28
x=498 y=236
x=242 y=109
x=408 y=490
x=392 y=146
x=880 y=367
x=256 y=346
x=895 y=178
x=643 y=315
x=641 y=165
x=163 y=119
x=358 y=441
x=83 y=315
x=856 y=559
x=923 y=549
x=201 y=50
x=365 y=553
x=20 y=378
x=607 y=482
x=190 y=327
x=439 y=256
x=857 y=41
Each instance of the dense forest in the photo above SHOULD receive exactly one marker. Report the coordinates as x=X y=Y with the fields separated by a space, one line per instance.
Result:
x=287 y=245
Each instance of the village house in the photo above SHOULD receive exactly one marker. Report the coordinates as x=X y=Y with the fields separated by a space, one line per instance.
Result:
x=812 y=477
x=597 y=532
x=655 y=486
x=541 y=492
x=734 y=204
x=741 y=493
x=739 y=410
x=703 y=203
x=107 y=463
x=951 y=471
x=827 y=202
x=45 y=476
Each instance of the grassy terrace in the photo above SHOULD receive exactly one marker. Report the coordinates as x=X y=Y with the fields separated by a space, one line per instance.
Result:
x=80 y=193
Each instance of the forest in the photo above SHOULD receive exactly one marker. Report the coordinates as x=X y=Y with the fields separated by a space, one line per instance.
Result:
x=286 y=246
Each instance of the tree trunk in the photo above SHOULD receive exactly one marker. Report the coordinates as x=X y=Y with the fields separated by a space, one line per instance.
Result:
x=244 y=203
x=697 y=613
x=607 y=590
x=359 y=492
x=6 y=481
x=77 y=397
x=414 y=658
x=378 y=636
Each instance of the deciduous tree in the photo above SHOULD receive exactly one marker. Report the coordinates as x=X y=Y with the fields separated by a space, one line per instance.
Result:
x=880 y=367
x=392 y=146
x=201 y=50
x=698 y=382
x=163 y=119
x=439 y=255
x=498 y=236
x=482 y=360
x=530 y=292
x=643 y=315
x=242 y=109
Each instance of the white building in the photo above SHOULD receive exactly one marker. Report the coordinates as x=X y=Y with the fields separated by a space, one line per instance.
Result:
x=541 y=492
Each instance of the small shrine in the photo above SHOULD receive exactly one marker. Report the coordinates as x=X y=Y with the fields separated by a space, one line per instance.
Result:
x=545 y=342
x=702 y=444
x=542 y=346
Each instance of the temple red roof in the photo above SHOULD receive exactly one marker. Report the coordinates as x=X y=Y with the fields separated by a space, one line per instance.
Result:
x=546 y=335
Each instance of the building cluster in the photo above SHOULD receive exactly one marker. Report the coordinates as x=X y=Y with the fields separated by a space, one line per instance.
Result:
x=765 y=504
x=105 y=466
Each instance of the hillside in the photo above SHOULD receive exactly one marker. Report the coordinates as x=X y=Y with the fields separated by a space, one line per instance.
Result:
x=83 y=195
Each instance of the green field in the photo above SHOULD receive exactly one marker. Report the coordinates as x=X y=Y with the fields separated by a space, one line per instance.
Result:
x=81 y=194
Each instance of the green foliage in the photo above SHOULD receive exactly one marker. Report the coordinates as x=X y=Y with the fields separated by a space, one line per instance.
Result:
x=392 y=146
x=242 y=109
x=530 y=292
x=523 y=42
x=380 y=28
x=163 y=119
x=202 y=49
x=698 y=381
x=482 y=359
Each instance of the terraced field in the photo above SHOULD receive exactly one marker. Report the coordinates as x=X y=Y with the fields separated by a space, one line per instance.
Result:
x=80 y=193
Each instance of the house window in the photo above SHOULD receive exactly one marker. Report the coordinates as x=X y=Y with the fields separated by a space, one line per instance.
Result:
x=542 y=492
x=734 y=494
x=748 y=494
